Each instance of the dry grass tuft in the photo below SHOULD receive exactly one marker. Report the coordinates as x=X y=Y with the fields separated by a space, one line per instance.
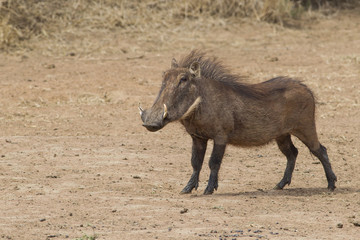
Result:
x=283 y=12
x=21 y=20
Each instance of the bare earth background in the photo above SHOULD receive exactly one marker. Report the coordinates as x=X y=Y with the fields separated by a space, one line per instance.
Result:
x=75 y=162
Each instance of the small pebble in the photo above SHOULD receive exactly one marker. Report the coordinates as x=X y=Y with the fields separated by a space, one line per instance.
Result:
x=185 y=210
x=356 y=224
x=340 y=225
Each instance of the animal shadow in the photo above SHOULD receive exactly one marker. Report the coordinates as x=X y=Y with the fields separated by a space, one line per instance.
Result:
x=286 y=192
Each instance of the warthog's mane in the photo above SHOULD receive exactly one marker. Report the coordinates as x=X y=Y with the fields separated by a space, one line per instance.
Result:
x=213 y=69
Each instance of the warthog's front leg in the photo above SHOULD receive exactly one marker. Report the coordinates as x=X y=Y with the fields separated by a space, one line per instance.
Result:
x=197 y=159
x=214 y=164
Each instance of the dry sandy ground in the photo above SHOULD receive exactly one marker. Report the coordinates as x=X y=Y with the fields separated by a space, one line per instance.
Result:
x=75 y=162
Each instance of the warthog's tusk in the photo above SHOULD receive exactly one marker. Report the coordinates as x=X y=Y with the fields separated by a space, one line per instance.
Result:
x=165 y=112
x=141 y=110
x=191 y=108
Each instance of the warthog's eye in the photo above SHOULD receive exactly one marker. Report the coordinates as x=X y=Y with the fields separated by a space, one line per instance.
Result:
x=183 y=79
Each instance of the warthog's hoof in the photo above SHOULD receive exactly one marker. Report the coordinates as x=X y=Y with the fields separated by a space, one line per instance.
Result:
x=209 y=190
x=212 y=185
x=285 y=181
x=206 y=192
x=185 y=191
x=278 y=187
x=189 y=187
x=331 y=187
x=331 y=183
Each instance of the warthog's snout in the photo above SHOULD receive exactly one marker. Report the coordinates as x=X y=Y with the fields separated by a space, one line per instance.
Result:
x=153 y=120
x=152 y=127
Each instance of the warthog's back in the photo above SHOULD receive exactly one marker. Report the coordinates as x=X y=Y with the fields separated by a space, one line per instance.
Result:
x=278 y=106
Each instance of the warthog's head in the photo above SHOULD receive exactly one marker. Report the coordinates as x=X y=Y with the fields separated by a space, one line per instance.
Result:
x=177 y=99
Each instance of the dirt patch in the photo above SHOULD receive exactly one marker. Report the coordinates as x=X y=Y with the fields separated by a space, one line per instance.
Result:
x=75 y=161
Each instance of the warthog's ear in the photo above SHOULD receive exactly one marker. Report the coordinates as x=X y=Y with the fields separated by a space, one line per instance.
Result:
x=195 y=69
x=174 y=63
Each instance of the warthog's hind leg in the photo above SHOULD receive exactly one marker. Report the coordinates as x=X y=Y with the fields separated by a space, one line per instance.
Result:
x=321 y=154
x=309 y=137
x=289 y=150
x=197 y=159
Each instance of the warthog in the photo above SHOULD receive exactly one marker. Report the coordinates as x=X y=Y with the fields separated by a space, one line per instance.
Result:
x=212 y=103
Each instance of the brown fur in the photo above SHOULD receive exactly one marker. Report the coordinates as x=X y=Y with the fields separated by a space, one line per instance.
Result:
x=213 y=104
